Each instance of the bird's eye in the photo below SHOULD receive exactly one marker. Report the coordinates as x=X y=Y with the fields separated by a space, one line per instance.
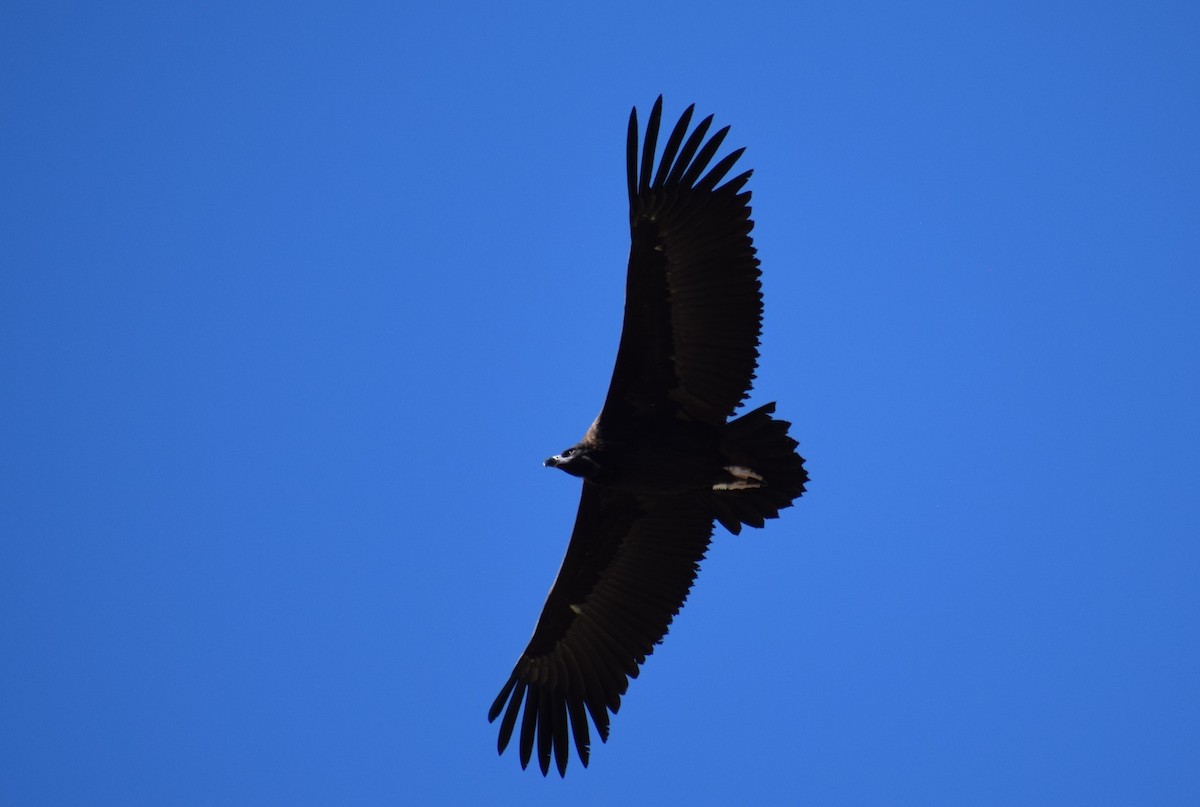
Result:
x=568 y=452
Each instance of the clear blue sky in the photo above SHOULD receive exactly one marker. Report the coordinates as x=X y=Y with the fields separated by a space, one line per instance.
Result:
x=295 y=298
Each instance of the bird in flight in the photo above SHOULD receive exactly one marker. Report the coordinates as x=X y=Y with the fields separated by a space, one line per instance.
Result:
x=663 y=459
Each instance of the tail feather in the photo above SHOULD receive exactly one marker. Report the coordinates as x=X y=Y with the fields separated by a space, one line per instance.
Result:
x=761 y=443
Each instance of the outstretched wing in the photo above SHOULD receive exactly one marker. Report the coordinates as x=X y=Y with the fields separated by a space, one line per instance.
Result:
x=693 y=302
x=693 y=312
x=628 y=569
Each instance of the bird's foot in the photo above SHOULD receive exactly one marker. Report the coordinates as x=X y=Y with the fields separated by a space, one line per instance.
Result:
x=744 y=479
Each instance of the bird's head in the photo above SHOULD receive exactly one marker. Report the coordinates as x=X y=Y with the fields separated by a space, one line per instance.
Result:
x=577 y=461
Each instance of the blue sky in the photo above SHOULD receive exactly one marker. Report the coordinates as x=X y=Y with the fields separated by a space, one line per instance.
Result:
x=295 y=298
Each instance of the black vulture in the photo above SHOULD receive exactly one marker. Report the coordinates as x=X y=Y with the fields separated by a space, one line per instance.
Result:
x=662 y=460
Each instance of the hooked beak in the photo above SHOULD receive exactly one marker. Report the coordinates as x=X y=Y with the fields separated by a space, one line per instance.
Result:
x=553 y=462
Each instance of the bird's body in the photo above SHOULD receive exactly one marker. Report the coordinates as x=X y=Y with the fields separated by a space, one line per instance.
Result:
x=662 y=460
x=652 y=456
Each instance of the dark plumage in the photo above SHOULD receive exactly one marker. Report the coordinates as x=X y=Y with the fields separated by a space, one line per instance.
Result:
x=662 y=460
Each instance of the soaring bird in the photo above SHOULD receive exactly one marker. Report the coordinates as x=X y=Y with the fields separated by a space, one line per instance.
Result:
x=663 y=459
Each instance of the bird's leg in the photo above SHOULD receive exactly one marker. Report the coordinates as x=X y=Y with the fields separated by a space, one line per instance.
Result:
x=744 y=479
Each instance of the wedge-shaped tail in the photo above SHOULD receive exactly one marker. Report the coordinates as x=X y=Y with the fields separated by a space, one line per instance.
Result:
x=759 y=443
